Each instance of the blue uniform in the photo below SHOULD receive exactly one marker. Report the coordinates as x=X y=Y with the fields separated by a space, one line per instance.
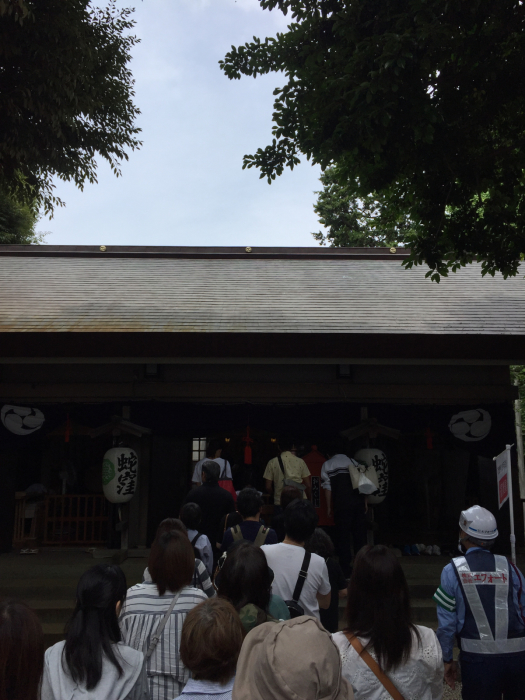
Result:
x=479 y=600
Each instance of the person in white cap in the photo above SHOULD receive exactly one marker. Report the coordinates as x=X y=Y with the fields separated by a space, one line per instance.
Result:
x=479 y=600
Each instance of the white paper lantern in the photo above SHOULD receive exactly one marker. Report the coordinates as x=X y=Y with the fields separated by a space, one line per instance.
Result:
x=21 y=420
x=377 y=459
x=119 y=474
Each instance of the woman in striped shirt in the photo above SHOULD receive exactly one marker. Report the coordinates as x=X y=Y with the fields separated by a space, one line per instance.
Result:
x=201 y=577
x=171 y=567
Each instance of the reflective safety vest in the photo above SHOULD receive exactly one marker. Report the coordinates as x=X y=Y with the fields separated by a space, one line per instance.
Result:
x=492 y=625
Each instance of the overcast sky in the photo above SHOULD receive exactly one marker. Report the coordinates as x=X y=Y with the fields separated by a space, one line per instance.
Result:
x=186 y=185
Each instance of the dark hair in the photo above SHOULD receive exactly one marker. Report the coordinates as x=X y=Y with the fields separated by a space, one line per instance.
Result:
x=231 y=520
x=286 y=443
x=320 y=543
x=289 y=494
x=300 y=520
x=485 y=544
x=93 y=628
x=169 y=524
x=212 y=448
x=212 y=471
x=211 y=640
x=379 y=605
x=21 y=652
x=171 y=561
x=191 y=515
x=336 y=446
x=249 y=503
x=245 y=576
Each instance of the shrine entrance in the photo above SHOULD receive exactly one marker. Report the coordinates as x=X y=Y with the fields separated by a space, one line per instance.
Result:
x=428 y=475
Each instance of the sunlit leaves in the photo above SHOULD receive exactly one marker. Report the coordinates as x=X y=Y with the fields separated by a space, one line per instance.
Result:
x=421 y=98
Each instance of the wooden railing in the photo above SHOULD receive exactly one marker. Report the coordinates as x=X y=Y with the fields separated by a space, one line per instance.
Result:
x=76 y=520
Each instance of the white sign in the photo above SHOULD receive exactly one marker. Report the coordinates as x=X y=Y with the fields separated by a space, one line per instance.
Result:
x=503 y=477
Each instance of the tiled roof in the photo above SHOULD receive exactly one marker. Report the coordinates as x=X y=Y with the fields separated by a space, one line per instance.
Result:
x=251 y=295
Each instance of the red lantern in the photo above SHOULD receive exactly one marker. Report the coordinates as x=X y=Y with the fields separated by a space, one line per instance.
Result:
x=247 y=450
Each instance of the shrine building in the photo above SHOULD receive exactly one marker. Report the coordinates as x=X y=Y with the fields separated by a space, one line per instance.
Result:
x=162 y=348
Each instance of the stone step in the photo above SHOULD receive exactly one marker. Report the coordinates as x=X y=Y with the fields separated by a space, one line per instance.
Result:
x=52 y=611
x=53 y=633
x=423 y=588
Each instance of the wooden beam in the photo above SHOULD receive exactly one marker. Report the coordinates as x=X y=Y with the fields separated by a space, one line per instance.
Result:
x=405 y=346
x=271 y=391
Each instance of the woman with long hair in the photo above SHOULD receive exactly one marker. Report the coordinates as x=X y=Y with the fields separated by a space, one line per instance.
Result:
x=381 y=649
x=21 y=652
x=245 y=579
x=93 y=663
x=155 y=610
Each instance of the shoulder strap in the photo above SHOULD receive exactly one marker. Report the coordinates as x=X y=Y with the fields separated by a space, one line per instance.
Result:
x=302 y=577
x=158 y=632
x=374 y=667
x=261 y=536
x=194 y=540
x=236 y=533
x=281 y=465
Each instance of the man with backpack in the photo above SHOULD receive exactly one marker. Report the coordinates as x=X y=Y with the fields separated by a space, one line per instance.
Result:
x=287 y=470
x=191 y=516
x=249 y=504
x=214 y=502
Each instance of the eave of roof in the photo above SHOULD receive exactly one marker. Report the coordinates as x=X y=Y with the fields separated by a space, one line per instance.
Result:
x=203 y=252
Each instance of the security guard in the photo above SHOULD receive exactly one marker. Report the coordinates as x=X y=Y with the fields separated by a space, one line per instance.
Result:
x=479 y=600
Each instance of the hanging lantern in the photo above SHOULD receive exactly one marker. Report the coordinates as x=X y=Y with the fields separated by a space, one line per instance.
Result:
x=247 y=450
x=119 y=474
x=377 y=459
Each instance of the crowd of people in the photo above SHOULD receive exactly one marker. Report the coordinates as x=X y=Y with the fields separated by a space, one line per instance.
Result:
x=228 y=609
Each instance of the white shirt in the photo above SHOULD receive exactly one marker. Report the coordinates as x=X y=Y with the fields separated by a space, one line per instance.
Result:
x=421 y=678
x=204 y=547
x=197 y=472
x=338 y=464
x=286 y=560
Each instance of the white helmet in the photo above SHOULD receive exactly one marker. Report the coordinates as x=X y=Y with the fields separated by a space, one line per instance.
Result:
x=478 y=522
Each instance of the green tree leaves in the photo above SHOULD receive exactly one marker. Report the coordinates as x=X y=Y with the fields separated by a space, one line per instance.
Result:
x=354 y=221
x=66 y=95
x=18 y=221
x=421 y=100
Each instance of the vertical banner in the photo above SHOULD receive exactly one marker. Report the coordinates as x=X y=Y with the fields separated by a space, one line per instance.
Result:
x=504 y=477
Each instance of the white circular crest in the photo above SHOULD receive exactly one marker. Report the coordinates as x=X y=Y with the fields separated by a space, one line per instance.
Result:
x=472 y=425
x=21 y=420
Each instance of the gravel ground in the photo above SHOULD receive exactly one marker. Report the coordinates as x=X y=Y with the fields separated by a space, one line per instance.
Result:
x=450 y=694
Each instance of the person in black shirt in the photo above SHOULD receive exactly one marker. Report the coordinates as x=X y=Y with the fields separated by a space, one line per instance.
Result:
x=348 y=506
x=288 y=494
x=215 y=503
x=249 y=505
x=321 y=544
